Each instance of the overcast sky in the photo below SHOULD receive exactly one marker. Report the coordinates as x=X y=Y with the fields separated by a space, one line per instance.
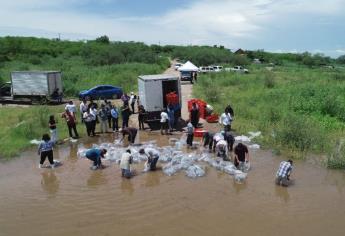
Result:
x=272 y=25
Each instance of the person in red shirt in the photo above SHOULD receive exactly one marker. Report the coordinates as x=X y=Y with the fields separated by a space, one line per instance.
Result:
x=71 y=123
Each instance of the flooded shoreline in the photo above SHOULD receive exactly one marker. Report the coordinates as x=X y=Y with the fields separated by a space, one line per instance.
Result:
x=73 y=200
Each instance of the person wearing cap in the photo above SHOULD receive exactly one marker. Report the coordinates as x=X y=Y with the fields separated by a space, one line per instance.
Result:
x=132 y=100
x=284 y=172
x=95 y=155
x=125 y=164
x=131 y=132
x=152 y=157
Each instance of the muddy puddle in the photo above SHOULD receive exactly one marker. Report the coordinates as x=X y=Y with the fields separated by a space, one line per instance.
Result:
x=73 y=200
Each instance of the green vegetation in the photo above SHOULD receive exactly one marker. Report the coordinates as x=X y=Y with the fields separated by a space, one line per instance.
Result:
x=297 y=108
x=19 y=125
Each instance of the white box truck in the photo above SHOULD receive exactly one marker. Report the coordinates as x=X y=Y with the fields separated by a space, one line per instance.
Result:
x=33 y=86
x=152 y=94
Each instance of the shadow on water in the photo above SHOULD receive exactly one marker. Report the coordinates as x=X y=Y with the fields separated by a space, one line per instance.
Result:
x=49 y=182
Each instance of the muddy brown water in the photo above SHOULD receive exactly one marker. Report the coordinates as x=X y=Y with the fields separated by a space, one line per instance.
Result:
x=73 y=200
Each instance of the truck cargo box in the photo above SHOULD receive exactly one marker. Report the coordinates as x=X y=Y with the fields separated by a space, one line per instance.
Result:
x=35 y=83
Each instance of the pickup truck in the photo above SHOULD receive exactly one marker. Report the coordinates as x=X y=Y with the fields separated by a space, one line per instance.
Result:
x=238 y=69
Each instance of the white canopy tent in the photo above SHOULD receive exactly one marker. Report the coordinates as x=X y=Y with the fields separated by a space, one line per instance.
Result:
x=188 y=66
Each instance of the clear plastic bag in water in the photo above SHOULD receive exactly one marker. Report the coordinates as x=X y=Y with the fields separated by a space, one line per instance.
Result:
x=230 y=169
x=186 y=162
x=240 y=177
x=195 y=171
x=171 y=169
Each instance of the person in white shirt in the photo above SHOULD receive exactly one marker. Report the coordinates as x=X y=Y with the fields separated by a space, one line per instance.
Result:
x=216 y=138
x=93 y=112
x=82 y=109
x=71 y=107
x=164 y=122
x=132 y=100
x=152 y=157
x=222 y=149
x=125 y=164
x=225 y=120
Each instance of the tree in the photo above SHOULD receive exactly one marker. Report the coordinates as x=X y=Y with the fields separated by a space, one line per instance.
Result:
x=341 y=59
x=103 y=39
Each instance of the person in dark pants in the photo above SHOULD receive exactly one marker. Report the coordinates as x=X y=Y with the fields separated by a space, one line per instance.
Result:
x=88 y=119
x=125 y=112
x=45 y=149
x=194 y=115
x=131 y=132
x=108 y=108
x=152 y=157
x=190 y=134
x=115 y=118
x=229 y=138
x=71 y=123
x=207 y=138
x=141 y=117
x=95 y=155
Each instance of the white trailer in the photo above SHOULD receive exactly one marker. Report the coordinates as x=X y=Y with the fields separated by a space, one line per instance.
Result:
x=152 y=94
x=34 y=85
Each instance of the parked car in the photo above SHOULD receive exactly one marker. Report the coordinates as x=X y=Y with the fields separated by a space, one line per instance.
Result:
x=178 y=65
x=206 y=69
x=217 y=68
x=102 y=92
x=238 y=69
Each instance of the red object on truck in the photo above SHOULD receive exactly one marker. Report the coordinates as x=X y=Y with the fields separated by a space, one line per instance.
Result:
x=212 y=118
x=172 y=98
x=201 y=104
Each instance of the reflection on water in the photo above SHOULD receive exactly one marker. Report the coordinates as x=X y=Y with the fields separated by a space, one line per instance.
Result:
x=152 y=179
x=179 y=206
x=239 y=186
x=127 y=186
x=96 y=179
x=282 y=193
x=49 y=182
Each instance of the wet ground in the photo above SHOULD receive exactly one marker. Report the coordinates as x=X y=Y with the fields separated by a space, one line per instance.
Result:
x=73 y=200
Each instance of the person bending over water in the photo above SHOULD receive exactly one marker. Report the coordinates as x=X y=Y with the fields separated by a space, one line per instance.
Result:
x=45 y=149
x=283 y=173
x=241 y=156
x=95 y=155
x=152 y=157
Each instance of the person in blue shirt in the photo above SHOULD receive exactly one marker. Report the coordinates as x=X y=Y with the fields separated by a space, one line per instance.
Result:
x=95 y=155
x=45 y=149
x=115 y=118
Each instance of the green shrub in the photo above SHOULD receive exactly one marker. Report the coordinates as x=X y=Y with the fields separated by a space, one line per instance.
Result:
x=336 y=159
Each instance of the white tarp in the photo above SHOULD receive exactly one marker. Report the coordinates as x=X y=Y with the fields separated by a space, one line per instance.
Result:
x=188 y=66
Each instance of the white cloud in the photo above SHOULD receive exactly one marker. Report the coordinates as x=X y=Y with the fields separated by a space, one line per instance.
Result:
x=226 y=22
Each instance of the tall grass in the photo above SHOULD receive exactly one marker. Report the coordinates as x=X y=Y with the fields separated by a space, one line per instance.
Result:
x=19 y=125
x=298 y=109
